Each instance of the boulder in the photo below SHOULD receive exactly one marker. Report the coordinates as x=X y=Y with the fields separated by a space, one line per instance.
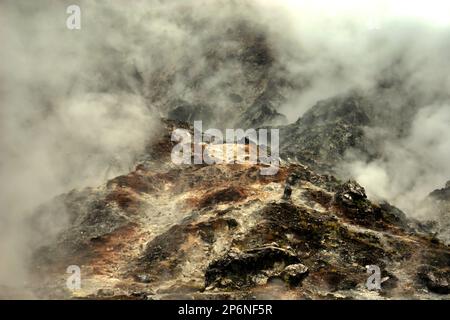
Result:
x=435 y=280
x=294 y=274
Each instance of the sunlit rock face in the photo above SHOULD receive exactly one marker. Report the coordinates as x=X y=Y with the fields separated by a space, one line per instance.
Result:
x=229 y=153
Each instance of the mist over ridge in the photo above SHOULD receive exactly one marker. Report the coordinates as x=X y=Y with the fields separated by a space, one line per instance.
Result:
x=358 y=89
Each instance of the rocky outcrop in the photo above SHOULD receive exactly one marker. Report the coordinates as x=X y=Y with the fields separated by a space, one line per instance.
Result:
x=252 y=267
x=323 y=135
x=225 y=231
x=263 y=112
x=294 y=274
x=435 y=280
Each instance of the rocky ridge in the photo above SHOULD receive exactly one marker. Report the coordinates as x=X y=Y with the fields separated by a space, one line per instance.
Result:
x=224 y=231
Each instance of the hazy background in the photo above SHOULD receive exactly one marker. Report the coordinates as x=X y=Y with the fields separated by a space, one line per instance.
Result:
x=78 y=106
x=331 y=47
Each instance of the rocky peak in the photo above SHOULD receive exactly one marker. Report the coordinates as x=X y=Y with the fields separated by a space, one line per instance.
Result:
x=225 y=231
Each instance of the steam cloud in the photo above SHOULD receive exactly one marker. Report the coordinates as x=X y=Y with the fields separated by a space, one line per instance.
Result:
x=328 y=48
x=77 y=106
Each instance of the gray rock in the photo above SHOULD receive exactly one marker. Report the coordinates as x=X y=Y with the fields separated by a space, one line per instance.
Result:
x=294 y=274
x=245 y=269
x=435 y=280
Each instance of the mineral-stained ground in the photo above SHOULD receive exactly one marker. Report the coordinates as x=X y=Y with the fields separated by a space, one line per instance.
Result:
x=226 y=231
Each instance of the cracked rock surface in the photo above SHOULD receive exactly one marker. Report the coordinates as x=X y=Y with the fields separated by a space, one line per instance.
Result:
x=225 y=231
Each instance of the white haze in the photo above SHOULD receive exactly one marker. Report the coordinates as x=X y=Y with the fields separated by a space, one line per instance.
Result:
x=65 y=121
x=78 y=106
x=71 y=103
x=331 y=47
x=413 y=166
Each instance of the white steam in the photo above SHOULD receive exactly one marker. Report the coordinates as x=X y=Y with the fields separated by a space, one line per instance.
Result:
x=77 y=106
x=331 y=47
x=413 y=166
x=71 y=116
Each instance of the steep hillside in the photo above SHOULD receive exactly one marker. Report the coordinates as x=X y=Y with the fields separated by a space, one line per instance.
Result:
x=225 y=231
